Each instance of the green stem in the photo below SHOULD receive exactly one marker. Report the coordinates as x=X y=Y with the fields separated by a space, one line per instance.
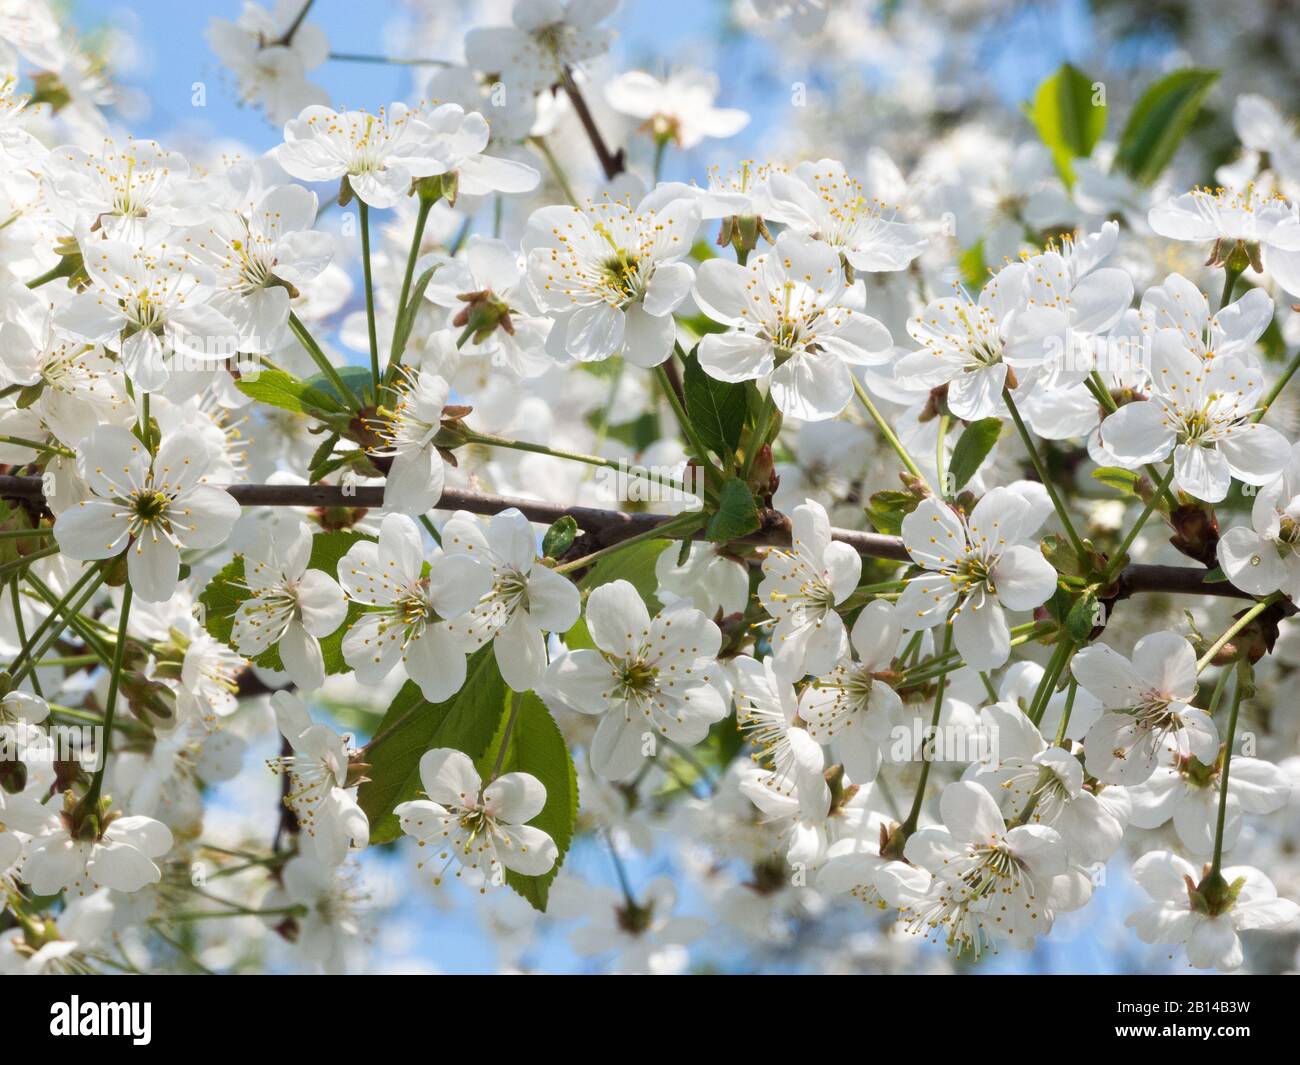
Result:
x=1277 y=388
x=110 y=705
x=761 y=428
x=938 y=457
x=668 y=530
x=10 y=568
x=1041 y=470
x=80 y=625
x=1070 y=693
x=386 y=60
x=1117 y=559
x=1219 y=687
x=891 y=438
x=557 y=171
x=1236 y=627
x=473 y=437
x=322 y=361
x=34 y=445
x=914 y=815
x=370 y=296
x=421 y=218
x=1237 y=693
x=1230 y=276
x=29 y=651
x=1047 y=686
x=23 y=534
x=20 y=629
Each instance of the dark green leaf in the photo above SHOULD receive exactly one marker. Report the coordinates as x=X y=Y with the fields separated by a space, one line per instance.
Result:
x=467 y=721
x=536 y=746
x=356 y=378
x=716 y=408
x=887 y=509
x=972 y=448
x=1159 y=122
x=737 y=515
x=559 y=537
x=1083 y=617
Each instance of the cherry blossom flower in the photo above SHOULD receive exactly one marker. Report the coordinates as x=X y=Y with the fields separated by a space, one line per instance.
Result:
x=1189 y=792
x=259 y=259
x=270 y=65
x=610 y=276
x=148 y=506
x=709 y=579
x=964 y=343
x=496 y=312
x=1210 y=939
x=785 y=308
x=75 y=384
x=976 y=567
x=526 y=599
x=292 y=607
x=1262 y=557
x=1199 y=412
x=678 y=109
x=1262 y=224
x=819 y=199
x=646 y=678
x=1148 y=715
x=379 y=154
x=319 y=793
x=990 y=882
x=129 y=193
x=123 y=856
x=415 y=479
x=149 y=307
x=483 y=829
x=800 y=589
x=547 y=37
x=1178 y=304
x=410 y=608
x=851 y=709
x=1049 y=782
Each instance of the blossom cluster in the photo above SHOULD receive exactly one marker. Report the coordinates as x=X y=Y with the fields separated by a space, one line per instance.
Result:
x=300 y=501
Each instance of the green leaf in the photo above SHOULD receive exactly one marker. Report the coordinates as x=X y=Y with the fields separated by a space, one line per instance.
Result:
x=560 y=536
x=226 y=591
x=467 y=721
x=1067 y=118
x=716 y=408
x=537 y=746
x=321 y=455
x=356 y=378
x=737 y=515
x=1083 y=617
x=279 y=389
x=1123 y=480
x=887 y=509
x=1159 y=122
x=406 y=320
x=972 y=448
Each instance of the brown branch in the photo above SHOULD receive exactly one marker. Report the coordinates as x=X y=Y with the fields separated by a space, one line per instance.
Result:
x=610 y=526
x=611 y=163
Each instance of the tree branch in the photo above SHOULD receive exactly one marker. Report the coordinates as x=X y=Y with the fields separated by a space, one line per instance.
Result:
x=606 y=527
